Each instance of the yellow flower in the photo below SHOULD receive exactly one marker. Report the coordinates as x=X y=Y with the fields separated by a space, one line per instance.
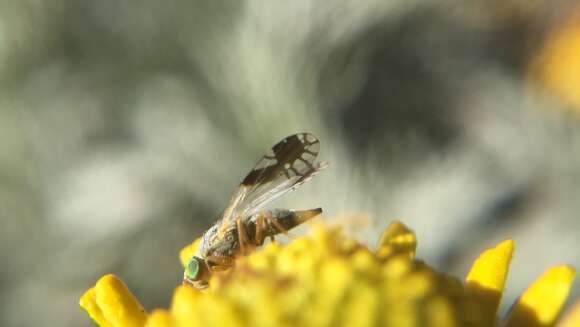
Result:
x=555 y=68
x=328 y=279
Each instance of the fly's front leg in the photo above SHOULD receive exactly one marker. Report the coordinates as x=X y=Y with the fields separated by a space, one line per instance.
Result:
x=218 y=263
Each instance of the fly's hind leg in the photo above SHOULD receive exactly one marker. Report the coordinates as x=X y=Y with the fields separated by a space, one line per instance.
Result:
x=282 y=220
x=279 y=221
x=277 y=226
x=263 y=229
x=268 y=225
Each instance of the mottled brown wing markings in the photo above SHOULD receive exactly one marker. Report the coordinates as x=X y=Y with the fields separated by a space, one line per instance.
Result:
x=285 y=154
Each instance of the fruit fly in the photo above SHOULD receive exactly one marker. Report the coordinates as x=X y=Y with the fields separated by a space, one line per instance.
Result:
x=244 y=224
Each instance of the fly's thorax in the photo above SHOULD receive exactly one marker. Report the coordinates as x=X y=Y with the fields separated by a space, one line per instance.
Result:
x=218 y=241
x=206 y=241
x=226 y=245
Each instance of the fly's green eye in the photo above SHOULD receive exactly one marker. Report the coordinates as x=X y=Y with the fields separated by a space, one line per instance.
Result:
x=192 y=269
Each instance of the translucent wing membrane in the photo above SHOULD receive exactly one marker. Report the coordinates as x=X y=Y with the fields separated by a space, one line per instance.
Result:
x=278 y=187
x=289 y=164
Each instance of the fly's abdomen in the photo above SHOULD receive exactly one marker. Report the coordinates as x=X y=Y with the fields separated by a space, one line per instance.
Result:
x=277 y=221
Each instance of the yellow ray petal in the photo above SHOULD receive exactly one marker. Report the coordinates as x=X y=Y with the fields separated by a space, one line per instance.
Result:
x=187 y=252
x=397 y=239
x=119 y=307
x=184 y=306
x=89 y=303
x=486 y=279
x=542 y=302
x=572 y=318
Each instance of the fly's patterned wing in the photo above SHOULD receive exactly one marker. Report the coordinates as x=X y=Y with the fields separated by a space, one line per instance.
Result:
x=293 y=156
x=289 y=164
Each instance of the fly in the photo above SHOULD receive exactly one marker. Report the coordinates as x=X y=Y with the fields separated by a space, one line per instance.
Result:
x=245 y=224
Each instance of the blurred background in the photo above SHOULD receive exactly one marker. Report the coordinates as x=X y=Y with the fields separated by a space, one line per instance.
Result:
x=125 y=126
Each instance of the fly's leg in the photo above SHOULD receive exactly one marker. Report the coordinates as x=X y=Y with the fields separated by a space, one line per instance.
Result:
x=272 y=222
x=219 y=263
x=267 y=226
x=243 y=238
x=282 y=220
x=263 y=229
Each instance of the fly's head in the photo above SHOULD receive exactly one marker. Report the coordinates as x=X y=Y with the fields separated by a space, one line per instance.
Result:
x=197 y=273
